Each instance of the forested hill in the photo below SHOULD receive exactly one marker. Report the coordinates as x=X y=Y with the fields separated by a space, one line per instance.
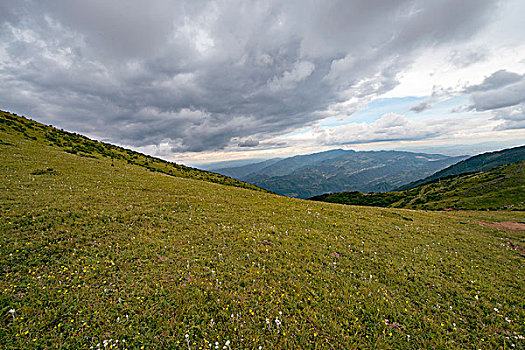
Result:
x=337 y=170
x=480 y=162
x=500 y=188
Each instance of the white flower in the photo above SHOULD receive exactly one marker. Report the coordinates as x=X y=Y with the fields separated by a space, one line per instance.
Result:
x=496 y=309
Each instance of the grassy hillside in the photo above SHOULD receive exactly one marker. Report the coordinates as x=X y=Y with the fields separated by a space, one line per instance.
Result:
x=103 y=253
x=80 y=145
x=479 y=163
x=496 y=189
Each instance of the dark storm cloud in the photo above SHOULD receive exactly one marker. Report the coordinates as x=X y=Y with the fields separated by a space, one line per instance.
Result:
x=202 y=75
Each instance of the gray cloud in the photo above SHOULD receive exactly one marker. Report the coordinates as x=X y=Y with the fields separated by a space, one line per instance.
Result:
x=503 y=93
x=248 y=143
x=201 y=75
x=420 y=107
x=512 y=118
x=499 y=90
x=496 y=80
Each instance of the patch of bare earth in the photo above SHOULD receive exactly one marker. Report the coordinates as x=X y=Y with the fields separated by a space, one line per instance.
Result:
x=511 y=225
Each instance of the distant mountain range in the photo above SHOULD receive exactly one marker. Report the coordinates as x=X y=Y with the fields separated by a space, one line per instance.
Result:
x=340 y=170
x=502 y=187
x=481 y=162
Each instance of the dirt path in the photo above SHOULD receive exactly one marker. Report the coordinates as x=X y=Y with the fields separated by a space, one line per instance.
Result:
x=511 y=225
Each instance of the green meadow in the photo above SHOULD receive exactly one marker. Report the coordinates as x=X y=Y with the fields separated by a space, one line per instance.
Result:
x=100 y=252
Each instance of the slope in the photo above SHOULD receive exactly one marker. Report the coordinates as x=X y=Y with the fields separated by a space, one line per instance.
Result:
x=80 y=145
x=104 y=253
x=480 y=162
x=339 y=170
x=499 y=188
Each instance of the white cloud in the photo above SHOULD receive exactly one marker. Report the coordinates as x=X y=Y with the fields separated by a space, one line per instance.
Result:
x=390 y=127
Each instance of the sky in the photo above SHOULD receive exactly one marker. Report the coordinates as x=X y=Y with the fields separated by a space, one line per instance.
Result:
x=206 y=81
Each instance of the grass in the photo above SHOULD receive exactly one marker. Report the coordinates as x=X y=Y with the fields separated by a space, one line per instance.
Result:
x=501 y=188
x=102 y=253
x=80 y=145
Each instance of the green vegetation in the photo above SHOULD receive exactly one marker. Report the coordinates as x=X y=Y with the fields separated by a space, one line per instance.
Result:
x=479 y=163
x=80 y=145
x=497 y=189
x=339 y=170
x=104 y=253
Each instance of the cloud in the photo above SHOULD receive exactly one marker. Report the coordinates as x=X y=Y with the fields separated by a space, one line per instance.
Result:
x=390 y=127
x=506 y=96
x=201 y=75
x=500 y=90
x=248 y=143
x=467 y=57
x=495 y=81
x=512 y=117
x=289 y=79
x=420 y=107
x=503 y=94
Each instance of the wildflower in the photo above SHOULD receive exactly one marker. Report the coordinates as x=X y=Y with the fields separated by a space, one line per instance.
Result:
x=187 y=336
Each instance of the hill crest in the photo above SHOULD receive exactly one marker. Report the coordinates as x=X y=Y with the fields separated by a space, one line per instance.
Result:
x=83 y=146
